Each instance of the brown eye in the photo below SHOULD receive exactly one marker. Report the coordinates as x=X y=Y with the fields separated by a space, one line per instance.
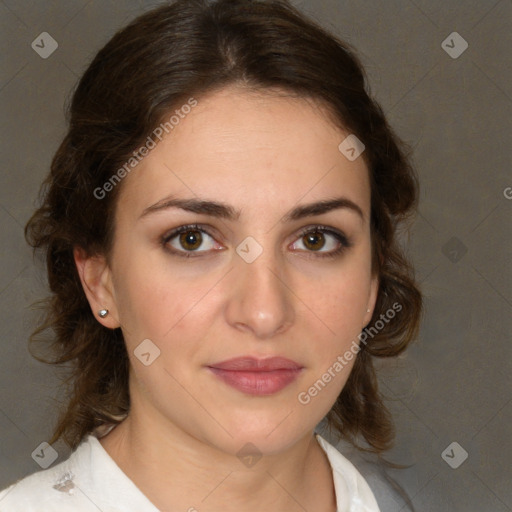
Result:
x=191 y=240
x=188 y=240
x=322 y=242
x=314 y=241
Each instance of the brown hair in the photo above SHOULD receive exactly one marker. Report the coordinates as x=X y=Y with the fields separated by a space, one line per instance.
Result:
x=188 y=49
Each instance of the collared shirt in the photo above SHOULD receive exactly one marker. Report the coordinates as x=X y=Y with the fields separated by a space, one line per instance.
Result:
x=90 y=481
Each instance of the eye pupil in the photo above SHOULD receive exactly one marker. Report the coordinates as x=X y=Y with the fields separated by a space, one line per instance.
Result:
x=314 y=241
x=191 y=240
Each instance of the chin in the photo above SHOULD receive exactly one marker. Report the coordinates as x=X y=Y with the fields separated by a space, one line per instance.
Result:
x=267 y=435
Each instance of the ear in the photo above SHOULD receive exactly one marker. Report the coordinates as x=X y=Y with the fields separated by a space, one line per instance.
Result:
x=372 y=299
x=96 y=278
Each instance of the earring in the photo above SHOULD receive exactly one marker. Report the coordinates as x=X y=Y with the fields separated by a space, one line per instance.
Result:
x=103 y=313
x=367 y=310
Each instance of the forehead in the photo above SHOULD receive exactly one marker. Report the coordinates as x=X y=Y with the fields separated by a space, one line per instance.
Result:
x=247 y=149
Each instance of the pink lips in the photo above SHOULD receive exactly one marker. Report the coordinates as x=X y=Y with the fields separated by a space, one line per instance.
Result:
x=257 y=376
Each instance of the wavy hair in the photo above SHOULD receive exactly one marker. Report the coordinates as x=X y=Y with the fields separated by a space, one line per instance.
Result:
x=184 y=49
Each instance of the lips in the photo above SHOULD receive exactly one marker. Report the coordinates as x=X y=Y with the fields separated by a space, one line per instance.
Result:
x=255 y=376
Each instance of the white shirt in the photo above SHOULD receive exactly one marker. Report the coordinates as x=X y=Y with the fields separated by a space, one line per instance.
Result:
x=90 y=481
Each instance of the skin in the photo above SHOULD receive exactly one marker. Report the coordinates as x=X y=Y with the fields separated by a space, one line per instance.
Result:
x=263 y=154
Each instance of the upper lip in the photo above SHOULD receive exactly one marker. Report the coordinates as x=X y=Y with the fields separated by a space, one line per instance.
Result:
x=254 y=364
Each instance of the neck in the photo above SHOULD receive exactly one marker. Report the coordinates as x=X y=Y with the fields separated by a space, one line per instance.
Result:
x=205 y=478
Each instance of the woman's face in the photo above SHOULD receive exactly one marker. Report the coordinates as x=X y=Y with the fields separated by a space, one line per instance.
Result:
x=275 y=263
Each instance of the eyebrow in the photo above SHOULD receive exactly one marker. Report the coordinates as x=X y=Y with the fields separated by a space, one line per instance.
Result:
x=224 y=211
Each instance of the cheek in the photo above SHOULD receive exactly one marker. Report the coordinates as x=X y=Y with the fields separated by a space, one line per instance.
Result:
x=161 y=302
x=341 y=303
x=340 y=299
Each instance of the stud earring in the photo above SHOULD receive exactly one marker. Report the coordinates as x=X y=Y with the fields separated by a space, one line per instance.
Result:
x=103 y=313
x=367 y=310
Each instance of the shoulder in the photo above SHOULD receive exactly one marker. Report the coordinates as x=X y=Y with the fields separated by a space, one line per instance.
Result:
x=352 y=491
x=88 y=481
x=54 y=489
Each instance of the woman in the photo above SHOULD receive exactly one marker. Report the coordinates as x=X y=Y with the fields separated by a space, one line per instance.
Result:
x=219 y=225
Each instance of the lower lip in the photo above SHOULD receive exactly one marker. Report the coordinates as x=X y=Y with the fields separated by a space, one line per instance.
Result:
x=257 y=383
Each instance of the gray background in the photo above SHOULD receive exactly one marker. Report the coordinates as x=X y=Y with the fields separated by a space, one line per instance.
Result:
x=454 y=384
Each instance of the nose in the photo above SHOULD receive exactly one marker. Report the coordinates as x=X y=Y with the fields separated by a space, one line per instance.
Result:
x=260 y=302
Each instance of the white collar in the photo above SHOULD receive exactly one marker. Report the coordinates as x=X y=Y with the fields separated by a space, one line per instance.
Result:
x=91 y=476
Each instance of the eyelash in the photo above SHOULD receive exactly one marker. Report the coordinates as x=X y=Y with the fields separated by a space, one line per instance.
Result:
x=344 y=242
